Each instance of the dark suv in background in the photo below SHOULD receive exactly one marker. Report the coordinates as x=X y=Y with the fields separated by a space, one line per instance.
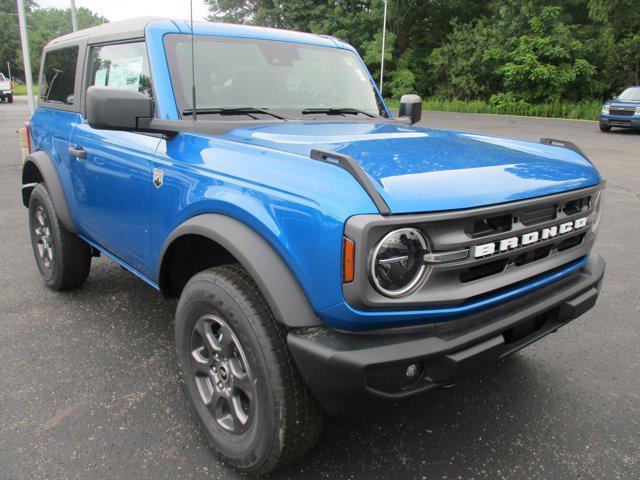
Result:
x=622 y=111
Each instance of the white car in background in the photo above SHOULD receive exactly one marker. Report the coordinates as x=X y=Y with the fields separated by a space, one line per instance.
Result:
x=6 y=89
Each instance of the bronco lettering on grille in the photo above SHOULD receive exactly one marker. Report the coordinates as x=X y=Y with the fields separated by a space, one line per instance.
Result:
x=512 y=243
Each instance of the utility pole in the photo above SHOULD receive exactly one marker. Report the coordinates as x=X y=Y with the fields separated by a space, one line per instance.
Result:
x=9 y=69
x=74 y=18
x=384 y=37
x=25 y=55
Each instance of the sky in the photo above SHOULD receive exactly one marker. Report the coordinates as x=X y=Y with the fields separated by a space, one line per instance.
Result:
x=122 y=9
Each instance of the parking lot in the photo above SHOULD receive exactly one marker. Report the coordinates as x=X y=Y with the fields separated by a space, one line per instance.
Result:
x=88 y=382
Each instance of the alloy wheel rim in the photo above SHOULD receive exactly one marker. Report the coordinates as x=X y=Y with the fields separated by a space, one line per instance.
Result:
x=221 y=374
x=42 y=232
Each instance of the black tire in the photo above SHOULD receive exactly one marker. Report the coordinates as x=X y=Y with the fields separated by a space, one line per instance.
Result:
x=604 y=127
x=66 y=260
x=10 y=98
x=284 y=420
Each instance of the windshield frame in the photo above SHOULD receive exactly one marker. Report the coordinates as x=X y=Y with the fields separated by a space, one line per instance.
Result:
x=182 y=103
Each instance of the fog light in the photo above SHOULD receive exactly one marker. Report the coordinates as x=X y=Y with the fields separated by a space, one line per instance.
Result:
x=413 y=372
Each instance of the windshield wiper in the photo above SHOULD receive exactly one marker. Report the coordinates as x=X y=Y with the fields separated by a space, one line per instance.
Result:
x=336 y=111
x=233 y=111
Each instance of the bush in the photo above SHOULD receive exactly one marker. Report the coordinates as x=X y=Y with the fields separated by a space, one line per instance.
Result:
x=507 y=104
x=21 y=89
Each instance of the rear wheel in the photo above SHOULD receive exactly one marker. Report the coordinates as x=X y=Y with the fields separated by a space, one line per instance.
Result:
x=604 y=127
x=10 y=98
x=238 y=374
x=62 y=258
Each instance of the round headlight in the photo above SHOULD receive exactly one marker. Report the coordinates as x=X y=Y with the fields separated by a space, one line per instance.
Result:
x=595 y=216
x=397 y=262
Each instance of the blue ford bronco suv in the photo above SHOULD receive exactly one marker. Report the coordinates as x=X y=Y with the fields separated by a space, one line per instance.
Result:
x=326 y=255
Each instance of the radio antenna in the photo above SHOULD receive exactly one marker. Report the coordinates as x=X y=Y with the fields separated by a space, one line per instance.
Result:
x=193 y=70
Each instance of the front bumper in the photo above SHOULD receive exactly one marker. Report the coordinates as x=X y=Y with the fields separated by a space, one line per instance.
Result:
x=620 y=121
x=348 y=372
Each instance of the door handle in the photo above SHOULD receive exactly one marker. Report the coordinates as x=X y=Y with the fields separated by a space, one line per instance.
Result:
x=78 y=152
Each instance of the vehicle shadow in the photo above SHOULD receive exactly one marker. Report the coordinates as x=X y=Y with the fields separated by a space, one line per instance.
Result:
x=480 y=423
x=483 y=422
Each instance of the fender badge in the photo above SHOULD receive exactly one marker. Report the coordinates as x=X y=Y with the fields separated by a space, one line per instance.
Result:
x=158 y=177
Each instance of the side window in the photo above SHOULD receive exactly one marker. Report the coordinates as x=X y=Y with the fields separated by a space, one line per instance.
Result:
x=58 y=80
x=124 y=66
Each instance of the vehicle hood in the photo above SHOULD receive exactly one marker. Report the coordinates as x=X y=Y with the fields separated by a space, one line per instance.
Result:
x=419 y=170
x=620 y=103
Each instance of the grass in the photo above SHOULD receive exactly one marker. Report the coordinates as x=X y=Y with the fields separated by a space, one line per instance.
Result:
x=585 y=110
x=21 y=89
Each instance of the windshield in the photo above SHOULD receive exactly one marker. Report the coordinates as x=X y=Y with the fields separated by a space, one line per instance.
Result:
x=292 y=77
x=630 y=95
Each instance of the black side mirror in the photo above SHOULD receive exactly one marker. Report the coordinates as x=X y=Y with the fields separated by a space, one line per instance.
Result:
x=411 y=107
x=117 y=108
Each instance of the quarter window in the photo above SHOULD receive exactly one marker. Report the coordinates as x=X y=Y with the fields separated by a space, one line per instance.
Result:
x=58 y=80
x=123 y=66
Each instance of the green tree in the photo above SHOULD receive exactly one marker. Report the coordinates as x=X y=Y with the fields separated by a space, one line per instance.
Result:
x=549 y=63
x=43 y=25
x=523 y=50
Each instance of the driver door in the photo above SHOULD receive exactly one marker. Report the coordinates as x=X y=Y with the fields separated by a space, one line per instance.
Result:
x=112 y=169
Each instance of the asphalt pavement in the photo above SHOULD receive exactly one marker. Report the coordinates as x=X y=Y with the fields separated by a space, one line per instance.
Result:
x=89 y=389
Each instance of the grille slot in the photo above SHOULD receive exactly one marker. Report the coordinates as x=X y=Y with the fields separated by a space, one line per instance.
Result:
x=534 y=216
x=484 y=270
x=492 y=225
x=532 y=256
x=576 y=206
x=571 y=242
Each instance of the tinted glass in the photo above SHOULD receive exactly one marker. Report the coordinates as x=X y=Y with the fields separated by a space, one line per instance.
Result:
x=123 y=66
x=233 y=72
x=59 y=76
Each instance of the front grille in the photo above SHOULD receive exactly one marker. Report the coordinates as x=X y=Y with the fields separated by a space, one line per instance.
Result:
x=455 y=282
x=622 y=111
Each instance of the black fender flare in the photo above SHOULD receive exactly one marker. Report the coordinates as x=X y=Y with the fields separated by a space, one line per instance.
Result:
x=47 y=169
x=277 y=283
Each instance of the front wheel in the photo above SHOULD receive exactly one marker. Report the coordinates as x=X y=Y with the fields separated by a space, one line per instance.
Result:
x=238 y=374
x=10 y=98
x=604 y=127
